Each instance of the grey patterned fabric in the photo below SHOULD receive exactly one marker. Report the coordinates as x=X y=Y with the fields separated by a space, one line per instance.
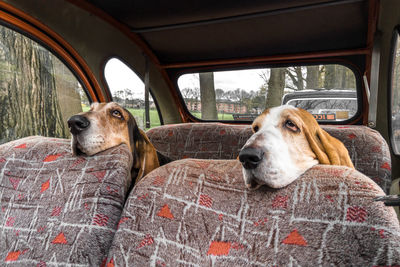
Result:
x=368 y=150
x=56 y=209
x=198 y=213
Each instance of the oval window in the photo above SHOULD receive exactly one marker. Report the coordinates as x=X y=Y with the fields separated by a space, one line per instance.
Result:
x=127 y=89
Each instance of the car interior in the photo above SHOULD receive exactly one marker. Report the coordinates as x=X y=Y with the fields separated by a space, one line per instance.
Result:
x=195 y=75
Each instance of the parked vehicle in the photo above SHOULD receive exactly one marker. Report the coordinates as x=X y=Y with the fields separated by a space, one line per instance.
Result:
x=325 y=105
x=195 y=74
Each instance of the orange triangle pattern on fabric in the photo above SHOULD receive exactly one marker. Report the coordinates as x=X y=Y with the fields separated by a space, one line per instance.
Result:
x=218 y=248
x=45 y=186
x=50 y=158
x=203 y=165
x=14 y=182
x=386 y=166
x=13 y=255
x=352 y=136
x=21 y=146
x=111 y=263
x=294 y=238
x=99 y=175
x=165 y=212
x=60 y=239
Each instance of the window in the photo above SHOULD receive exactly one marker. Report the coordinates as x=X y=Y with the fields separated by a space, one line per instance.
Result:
x=327 y=91
x=38 y=93
x=395 y=95
x=127 y=89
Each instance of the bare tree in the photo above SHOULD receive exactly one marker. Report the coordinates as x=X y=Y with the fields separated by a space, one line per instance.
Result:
x=337 y=77
x=186 y=93
x=296 y=75
x=219 y=93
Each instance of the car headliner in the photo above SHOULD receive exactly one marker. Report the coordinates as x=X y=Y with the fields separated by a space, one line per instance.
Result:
x=186 y=31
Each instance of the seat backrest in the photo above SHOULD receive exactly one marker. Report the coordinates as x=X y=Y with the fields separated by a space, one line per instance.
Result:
x=57 y=209
x=200 y=140
x=197 y=212
x=367 y=148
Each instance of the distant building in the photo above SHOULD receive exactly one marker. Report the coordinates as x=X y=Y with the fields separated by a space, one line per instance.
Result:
x=223 y=106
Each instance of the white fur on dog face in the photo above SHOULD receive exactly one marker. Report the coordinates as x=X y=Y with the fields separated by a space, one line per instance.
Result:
x=286 y=154
x=105 y=131
x=91 y=141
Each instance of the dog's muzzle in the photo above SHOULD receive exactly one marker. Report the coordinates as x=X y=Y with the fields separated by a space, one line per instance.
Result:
x=251 y=157
x=78 y=124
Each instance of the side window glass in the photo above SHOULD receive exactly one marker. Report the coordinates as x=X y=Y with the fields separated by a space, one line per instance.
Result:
x=328 y=92
x=38 y=93
x=127 y=89
x=395 y=95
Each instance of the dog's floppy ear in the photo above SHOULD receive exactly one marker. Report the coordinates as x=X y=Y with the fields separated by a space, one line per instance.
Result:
x=144 y=153
x=327 y=149
x=147 y=155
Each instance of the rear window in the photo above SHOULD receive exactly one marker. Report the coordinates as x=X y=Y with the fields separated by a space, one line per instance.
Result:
x=329 y=92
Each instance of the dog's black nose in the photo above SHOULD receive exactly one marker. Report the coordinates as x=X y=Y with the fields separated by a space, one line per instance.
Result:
x=250 y=157
x=77 y=124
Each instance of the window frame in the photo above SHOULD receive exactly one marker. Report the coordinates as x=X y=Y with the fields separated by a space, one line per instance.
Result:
x=395 y=40
x=357 y=75
x=103 y=76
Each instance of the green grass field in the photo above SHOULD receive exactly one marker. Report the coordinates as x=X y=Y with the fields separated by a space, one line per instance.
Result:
x=139 y=116
x=221 y=116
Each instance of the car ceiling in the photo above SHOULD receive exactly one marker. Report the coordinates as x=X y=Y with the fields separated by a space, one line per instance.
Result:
x=195 y=31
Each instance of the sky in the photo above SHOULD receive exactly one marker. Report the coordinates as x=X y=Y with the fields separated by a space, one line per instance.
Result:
x=119 y=77
x=248 y=80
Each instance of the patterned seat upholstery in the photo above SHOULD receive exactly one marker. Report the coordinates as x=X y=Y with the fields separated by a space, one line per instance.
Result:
x=368 y=150
x=56 y=209
x=197 y=212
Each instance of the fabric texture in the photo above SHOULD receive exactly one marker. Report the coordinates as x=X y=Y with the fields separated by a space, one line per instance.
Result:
x=56 y=209
x=197 y=212
x=367 y=148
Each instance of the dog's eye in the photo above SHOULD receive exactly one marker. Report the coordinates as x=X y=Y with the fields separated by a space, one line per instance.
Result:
x=116 y=113
x=255 y=128
x=291 y=126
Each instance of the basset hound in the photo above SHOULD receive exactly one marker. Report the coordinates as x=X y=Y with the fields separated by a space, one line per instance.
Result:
x=286 y=142
x=108 y=125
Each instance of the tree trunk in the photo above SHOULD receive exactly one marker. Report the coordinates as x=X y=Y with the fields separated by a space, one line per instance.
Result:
x=330 y=77
x=312 y=77
x=350 y=81
x=276 y=86
x=28 y=97
x=300 y=79
x=68 y=95
x=207 y=96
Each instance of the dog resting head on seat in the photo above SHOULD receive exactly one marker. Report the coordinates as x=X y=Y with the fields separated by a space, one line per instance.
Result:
x=286 y=142
x=108 y=125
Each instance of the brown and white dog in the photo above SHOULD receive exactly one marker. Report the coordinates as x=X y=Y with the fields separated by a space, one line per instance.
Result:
x=108 y=125
x=286 y=142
